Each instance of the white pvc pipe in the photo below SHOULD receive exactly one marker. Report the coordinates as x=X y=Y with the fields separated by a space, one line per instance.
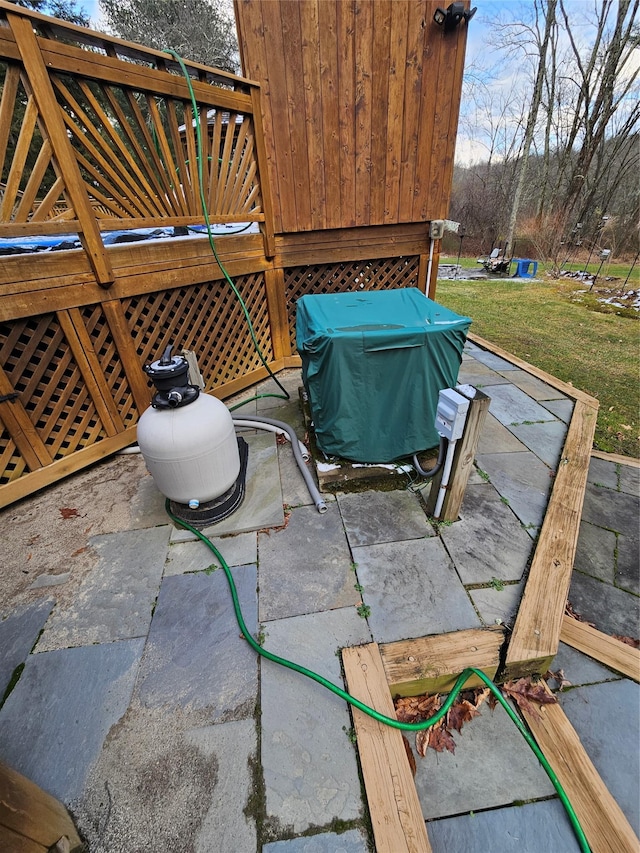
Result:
x=448 y=462
x=428 y=283
x=262 y=425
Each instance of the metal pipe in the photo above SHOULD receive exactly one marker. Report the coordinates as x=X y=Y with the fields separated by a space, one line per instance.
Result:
x=316 y=497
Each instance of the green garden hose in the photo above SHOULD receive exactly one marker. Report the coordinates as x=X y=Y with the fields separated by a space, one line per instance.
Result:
x=376 y=715
x=203 y=201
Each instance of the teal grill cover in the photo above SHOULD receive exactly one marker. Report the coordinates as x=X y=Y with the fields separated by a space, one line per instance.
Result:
x=373 y=363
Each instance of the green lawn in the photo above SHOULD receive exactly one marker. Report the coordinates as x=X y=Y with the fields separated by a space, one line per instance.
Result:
x=537 y=321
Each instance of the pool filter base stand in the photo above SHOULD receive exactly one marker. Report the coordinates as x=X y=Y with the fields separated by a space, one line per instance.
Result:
x=211 y=512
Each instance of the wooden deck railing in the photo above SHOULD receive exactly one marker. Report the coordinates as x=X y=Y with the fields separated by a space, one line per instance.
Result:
x=97 y=134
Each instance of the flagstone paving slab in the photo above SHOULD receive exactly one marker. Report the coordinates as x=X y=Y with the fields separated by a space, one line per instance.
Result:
x=532 y=386
x=55 y=720
x=184 y=557
x=510 y=406
x=523 y=480
x=498 y=606
x=496 y=438
x=491 y=360
x=545 y=440
x=562 y=409
x=225 y=826
x=607 y=720
x=530 y=828
x=412 y=590
x=579 y=669
x=611 y=610
x=628 y=563
x=310 y=769
x=603 y=473
x=492 y=766
x=596 y=552
x=305 y=567
x=373 y=517
x=630 y=480
x=488 y=540
x=294 y=488
x=473 y=372
x=18 y=634
x=195 y=656
x=115 y=599
x=352 y=841
x=610 y=509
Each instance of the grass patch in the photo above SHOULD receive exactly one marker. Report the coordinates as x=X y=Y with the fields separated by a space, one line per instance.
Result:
x=538 y=322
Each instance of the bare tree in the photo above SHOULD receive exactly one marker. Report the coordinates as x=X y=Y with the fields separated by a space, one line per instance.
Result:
x=201 y=30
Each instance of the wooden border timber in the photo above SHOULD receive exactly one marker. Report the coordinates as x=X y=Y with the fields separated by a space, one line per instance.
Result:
x=601 y=818
x=536 y=633
x=396 y=815
x=601 y=647
x=616 y=458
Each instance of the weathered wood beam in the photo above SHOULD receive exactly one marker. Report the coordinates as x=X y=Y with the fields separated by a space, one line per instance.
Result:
x=432 y=664
x=601 y=818
x=601 y=647
x=396 y=815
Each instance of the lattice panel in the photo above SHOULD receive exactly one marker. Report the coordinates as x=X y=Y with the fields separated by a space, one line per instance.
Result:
x=378 y=274
x=40 y=366
x=12 y=465
x=29 y=185
x=137 y=153
x=208 y=320
x=109 y=358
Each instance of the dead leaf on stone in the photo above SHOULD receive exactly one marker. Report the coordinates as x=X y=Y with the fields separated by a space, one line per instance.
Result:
x=440 y=738
x=422 y=742
x=414 y=709
x=460 y=713
x=410 y=755
x=528 y=694
x=69 y=512
x=629 y=641
x=558 y=677
x=568 y=609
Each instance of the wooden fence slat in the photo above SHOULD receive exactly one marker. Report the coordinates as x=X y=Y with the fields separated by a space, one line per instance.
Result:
x=21 y=429
x=19 y=159
x=396 y=815
x=88 y=364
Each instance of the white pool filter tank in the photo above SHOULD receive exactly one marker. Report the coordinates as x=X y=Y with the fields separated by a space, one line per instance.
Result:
x=187 y=439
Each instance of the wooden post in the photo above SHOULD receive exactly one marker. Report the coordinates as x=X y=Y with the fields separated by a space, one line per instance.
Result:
x=277 y=307
x=463 y=457
x=31 y=819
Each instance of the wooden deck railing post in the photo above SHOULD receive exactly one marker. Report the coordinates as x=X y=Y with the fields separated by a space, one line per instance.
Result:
x=38 y=84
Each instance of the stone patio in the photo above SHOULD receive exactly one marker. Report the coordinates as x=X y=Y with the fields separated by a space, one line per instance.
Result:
x=132 y=697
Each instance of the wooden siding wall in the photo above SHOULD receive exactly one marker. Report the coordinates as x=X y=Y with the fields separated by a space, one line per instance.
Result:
x=360 y=105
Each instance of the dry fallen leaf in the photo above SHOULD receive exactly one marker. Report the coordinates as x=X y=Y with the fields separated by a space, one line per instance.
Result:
x=413 y=709
x=422 y=742
x=440 y=738
x=461 y=713
x=559 y=678
x=410 y=756
x=69 y=512
x=528 y=694
x=629 y=641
